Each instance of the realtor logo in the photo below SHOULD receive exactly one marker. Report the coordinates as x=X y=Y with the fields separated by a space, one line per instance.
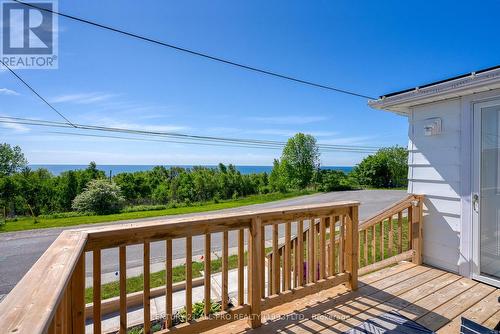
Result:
x=29 y=35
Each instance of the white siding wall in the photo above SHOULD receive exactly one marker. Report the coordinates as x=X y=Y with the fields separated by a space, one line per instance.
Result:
x=434 y=171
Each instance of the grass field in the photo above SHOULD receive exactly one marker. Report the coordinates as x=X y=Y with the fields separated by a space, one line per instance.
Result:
x=28 y=223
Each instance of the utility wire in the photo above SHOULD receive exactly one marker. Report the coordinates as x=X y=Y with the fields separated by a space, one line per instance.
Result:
x=157 y=140
x=36 y=93
x=28 y=121
x=184 y=138
x=196 y=53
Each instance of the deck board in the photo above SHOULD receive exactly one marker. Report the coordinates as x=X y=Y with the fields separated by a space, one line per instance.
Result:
x=493 y=320
x=480 y=312
x=430 y=296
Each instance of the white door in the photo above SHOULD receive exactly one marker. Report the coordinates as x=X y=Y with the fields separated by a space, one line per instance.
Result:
x=486 y=192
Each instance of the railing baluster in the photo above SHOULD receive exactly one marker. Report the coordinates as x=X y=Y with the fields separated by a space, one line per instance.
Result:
x=123 y=288
x=382 y=250
x=207 y=274
x=78 y=297
x=352 y=247
x=333 y=237
x=306 y=255
x=96 y=263
x=225 y=251
x=263 y=262
x=366 y=245
x=52 y=326
x=59 y=323
x=410 y=227
x=294 y=262
x=341 y=244
x=249 y=267
x=67 y=311
x=241 y=267
x=400 y=232
x=146 y=290
x=311 y=254
x=270 y=274
x=276 y=261
x=189 y=278
x=360 y=237
x=322 y=248
x=168 y=283
x=282 y=268
x=300 y=253
x=374 y=244
x=288 y=256
x=254 y=251
x=391 y=237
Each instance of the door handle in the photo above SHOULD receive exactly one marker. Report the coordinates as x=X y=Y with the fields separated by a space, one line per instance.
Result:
x=475 y=202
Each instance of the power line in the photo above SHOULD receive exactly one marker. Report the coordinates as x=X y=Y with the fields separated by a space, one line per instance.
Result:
x=36 y=93
x=157 y=140
x=196 y=53
x=172 y=134
x=186 y=142
x=191 y=139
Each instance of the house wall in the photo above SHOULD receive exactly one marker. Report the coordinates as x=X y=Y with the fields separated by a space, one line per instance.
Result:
x=435 y=171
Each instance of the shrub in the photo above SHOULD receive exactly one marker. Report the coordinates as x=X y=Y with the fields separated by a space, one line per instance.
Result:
x=333 y=180
x=388 y=168
x=101 y=197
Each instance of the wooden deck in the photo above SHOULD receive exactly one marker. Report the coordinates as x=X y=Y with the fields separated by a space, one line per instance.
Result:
x=432 y=297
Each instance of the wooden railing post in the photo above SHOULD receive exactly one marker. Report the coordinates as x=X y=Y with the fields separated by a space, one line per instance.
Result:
x=351 y=247
x=78 y=297
x=416 y=229
x=254 y=261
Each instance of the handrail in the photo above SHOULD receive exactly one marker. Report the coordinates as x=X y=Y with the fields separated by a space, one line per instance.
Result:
x=391 y=210
x=32 y=304
x=50 y=297
x=125 y=234
x=382 y=242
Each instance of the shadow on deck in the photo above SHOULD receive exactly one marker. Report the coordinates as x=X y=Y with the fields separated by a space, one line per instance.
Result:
x=434 y=298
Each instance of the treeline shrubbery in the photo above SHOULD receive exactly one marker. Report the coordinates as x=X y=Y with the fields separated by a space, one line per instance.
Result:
x=37 y=192
x=89 y=190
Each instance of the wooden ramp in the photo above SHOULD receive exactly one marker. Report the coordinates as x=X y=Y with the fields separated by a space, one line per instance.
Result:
x=434 y=298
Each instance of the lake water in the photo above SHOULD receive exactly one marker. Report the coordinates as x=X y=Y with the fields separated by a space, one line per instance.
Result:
x=116 y=169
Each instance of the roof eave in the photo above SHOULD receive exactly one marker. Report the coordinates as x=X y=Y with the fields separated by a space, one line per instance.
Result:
x=474 y=83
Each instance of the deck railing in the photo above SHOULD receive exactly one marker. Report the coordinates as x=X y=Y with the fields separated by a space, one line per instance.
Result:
x=50 y=297
x=392 y=235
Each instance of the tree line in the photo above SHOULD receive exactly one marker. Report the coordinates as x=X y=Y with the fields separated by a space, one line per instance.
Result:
x=24 y=191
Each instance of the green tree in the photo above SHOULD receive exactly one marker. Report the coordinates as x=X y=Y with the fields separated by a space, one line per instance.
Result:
x=388 y=168
x=299 y=162
x=277 y=179
x=101 y=197
x=8 y=192
x=12 y=159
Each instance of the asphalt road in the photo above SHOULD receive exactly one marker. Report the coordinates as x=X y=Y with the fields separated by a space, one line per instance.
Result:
x=20 y=250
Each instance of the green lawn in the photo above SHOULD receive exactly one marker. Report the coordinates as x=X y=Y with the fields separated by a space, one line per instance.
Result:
x=27 y=223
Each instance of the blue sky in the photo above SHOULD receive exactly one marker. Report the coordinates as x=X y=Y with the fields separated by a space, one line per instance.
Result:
x=371 y=47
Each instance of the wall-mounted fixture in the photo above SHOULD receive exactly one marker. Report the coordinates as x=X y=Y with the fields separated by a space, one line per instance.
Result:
x=432 y=126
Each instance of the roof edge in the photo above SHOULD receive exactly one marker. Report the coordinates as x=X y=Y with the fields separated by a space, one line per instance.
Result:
x=474 y=82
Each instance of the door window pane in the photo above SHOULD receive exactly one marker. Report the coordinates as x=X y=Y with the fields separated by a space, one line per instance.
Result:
x=489 y=224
